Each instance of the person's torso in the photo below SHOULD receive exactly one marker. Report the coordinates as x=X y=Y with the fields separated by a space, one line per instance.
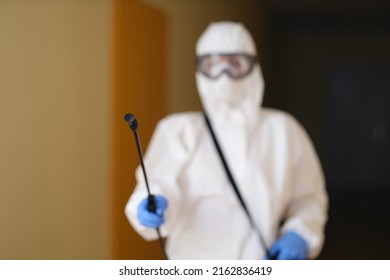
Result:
x=214 y=224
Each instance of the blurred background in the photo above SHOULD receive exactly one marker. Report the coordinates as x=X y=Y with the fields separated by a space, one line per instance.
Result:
x=71 y=69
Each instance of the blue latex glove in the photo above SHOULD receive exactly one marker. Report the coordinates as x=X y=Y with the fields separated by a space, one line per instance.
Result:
x=152 y=219
x=289 y=247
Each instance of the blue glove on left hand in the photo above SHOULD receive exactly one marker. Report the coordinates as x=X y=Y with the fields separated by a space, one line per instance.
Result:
x=152 y=219
x=289 y=247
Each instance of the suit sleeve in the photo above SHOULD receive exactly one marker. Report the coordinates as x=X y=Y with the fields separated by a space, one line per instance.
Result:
x=307 y=209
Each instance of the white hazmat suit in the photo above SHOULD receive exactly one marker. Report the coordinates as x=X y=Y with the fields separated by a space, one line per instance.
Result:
x=268 y=152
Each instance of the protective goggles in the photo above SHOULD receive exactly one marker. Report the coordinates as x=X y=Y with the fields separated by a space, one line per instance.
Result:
x=236 y=66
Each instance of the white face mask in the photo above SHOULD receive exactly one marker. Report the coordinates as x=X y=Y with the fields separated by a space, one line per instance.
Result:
x=221 y=91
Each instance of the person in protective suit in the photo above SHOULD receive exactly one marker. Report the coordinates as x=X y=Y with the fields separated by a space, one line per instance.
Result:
x=270 y=156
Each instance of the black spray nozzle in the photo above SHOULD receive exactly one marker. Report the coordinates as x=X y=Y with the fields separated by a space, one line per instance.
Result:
x=131 y=120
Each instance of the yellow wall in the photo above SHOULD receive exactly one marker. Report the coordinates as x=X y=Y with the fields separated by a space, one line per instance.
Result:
x=139 y=87
x=54 y=122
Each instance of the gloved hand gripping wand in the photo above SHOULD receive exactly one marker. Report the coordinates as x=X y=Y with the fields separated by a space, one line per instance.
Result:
x=133 y=124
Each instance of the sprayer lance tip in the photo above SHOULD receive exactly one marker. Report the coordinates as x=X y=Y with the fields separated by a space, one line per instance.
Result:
x=131 y=120
x=129 y=117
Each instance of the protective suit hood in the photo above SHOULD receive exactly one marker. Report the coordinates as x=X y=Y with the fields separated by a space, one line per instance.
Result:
x=224 y=95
